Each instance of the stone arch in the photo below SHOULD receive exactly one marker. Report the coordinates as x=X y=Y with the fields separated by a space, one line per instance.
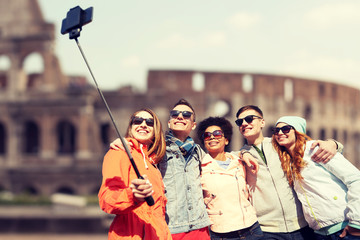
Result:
x=322 y=134
x=33 y=65
x=105 y=135
x=5 y=65
x=65 y=189
x=30 y=190
x=95 y=190
x=5 y=62
x=66 y=135
x=288 y=90
x=247 y=83
x=309 y=133
x=269 y=131
x=3 y=140
x=308 y=112
x=222 y=108
x=198 y=82
x=31 y=137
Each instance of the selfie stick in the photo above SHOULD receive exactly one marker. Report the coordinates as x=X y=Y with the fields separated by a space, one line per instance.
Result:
x=74 y=33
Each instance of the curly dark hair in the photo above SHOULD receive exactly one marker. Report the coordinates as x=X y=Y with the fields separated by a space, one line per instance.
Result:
x=221 y=122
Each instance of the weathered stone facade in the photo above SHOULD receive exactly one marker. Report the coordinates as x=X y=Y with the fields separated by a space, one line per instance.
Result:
x=55 y=130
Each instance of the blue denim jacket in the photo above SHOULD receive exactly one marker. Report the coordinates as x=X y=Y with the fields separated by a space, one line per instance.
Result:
x=185 y=209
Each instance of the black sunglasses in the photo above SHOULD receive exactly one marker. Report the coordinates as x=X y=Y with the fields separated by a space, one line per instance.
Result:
x=217 y=134
x=176 y=113
x=248 y=119
x=285 y=129
x=139 y=120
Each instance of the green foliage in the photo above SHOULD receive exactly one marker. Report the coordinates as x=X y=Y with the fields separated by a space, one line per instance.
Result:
x=7 y=198
x=23 y=199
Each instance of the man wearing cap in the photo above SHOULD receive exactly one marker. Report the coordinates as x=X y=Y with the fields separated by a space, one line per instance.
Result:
x=278 y=210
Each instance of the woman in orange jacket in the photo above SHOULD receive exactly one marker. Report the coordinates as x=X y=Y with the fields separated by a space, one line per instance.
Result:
x=123 y=194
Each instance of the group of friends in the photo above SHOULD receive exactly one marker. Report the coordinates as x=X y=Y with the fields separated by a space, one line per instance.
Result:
x=285 y=187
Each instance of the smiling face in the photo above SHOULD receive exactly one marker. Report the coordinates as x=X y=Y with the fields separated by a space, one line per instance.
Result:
x=286 y=140
x=252 y=131
x=180 y=126
x=214 y=145
x=142 y=132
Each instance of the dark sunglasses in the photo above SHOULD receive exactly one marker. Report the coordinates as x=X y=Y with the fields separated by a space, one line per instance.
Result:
x=217 y=134
x=139 y=120
x=176 y=113
x=285 y=129
x=248 y=119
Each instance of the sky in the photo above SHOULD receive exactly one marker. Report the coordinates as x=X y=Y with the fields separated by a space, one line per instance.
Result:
x=305 y=38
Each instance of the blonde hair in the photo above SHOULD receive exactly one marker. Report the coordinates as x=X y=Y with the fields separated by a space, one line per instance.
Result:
x=292 y=165
x=158 y=146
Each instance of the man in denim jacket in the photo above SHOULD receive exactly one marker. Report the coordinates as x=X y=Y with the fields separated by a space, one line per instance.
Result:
x=185 y=210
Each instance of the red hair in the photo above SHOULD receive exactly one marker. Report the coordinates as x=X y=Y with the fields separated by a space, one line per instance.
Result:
x=292 y=165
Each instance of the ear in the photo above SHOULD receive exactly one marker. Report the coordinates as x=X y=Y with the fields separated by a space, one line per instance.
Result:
x=193 y=125
x=226 y=142
x=262 y=122
x=169 y=124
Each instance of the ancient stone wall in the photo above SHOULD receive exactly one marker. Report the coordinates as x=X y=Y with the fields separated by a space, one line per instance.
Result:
x=55 y=130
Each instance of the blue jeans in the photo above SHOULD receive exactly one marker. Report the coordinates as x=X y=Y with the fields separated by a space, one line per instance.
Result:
x=251 y=233
x=335 y=236
x=305 y=233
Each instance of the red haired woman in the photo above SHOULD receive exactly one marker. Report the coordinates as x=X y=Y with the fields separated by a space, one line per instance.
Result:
x=329 y=193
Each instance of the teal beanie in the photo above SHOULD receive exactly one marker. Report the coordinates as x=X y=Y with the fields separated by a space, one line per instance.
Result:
x=298 y=123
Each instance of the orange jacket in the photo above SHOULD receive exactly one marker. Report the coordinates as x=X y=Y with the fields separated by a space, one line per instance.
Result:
x=133 y=220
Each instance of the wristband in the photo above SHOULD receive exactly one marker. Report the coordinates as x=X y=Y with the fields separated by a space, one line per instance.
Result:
x=243 y=152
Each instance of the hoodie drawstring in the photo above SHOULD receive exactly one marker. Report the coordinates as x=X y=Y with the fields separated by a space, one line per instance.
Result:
x=144 y=157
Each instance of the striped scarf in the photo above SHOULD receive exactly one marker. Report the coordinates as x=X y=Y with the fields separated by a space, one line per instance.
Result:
x=185 y=147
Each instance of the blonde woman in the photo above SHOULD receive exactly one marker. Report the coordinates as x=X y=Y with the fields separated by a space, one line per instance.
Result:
x=123 y=194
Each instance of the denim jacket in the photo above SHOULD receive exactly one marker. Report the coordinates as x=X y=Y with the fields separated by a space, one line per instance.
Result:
x=185 y=209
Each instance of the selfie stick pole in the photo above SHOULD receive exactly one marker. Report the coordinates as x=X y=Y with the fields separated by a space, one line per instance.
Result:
x=149 y=200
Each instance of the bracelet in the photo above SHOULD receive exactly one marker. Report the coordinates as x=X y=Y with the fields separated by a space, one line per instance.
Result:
x=243 y=152
x=337 y=146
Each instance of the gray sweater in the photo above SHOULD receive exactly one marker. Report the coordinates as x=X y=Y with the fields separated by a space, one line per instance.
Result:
x=277 y=206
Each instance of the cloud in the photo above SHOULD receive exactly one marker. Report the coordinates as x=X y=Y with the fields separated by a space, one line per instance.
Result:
x=333 y=14
x=214 y=39
x=176 y=40
x=243 y=20
x=181 y=41
x=130 y=62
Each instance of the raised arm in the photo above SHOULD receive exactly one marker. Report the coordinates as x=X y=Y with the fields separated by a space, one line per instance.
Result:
x=121 y=191
x=327 y=149
x=117 y=144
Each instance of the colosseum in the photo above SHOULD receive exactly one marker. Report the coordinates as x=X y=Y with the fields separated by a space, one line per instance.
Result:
x=55 y=130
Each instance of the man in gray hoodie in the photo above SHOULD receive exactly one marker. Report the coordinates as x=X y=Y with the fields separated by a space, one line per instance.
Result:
x=278 y=210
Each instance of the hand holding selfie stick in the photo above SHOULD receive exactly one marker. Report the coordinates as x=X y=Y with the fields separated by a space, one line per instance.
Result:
x=72 y=24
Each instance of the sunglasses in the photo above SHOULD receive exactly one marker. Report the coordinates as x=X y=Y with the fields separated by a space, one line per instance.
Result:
x=248 y=119
x=284 y=129
x=176 y=113
x=217 y=134
x=139 y=120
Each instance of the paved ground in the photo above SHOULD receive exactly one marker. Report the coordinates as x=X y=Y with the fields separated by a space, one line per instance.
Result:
x=53 y=237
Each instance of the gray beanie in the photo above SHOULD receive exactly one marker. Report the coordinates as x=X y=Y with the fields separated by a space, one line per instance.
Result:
x=298 y=123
